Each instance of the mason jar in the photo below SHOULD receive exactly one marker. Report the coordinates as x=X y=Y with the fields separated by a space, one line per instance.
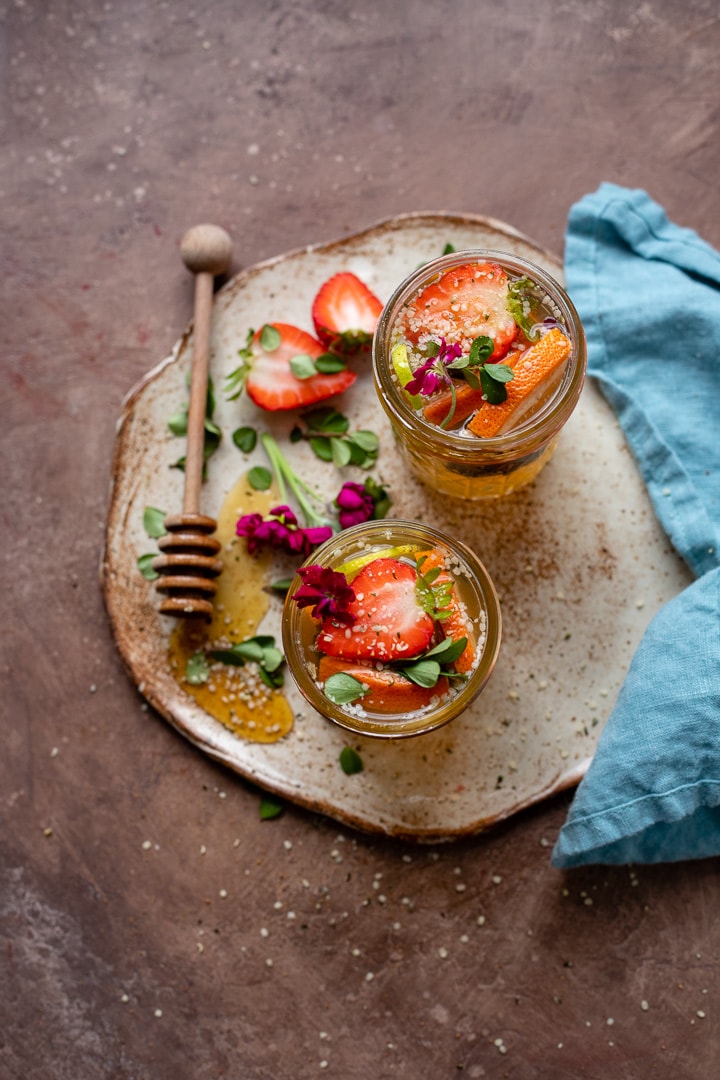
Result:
x=453 y=459
x=467 y=609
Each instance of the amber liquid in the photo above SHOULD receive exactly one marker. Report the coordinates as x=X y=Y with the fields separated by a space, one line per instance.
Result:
x=235 y=696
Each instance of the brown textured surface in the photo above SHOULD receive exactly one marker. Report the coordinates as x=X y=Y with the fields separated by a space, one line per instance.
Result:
x=124 y=123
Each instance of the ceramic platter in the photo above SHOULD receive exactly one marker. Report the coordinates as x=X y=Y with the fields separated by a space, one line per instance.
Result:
x=578 y=559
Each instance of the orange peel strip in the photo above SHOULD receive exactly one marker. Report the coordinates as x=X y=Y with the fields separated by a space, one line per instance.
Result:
x=531 y=370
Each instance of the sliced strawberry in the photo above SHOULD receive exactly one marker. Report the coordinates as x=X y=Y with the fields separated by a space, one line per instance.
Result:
x=390 y=624
x=271 y=383
x=467 y=302
x=345 y=313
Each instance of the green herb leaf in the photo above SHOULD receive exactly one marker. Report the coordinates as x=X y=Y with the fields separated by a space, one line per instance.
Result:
x=495 y=392
x=303 y=366
x=270 y=808
x=471 y=378
x=145 y=566
x=281 y=585
x=245 y=438
x=500 y=372
x=367 y=441
x=326 y=420
x=381 y=500
x=447 y=651
x=272 y=679
x=350 y=760
x=210 y=400
x=520 y=303
x=321 y=446
x=459 y=363
x=342 y=688
x=197 y=669
x=235 y=381
x=424 y=672
x=481 y=348
x=154 y=522
x=259 y=478
x=328 y=363
x=270 y=338
x=178 y=422
x=272 y=658
x=341 y=452
x=448 y=249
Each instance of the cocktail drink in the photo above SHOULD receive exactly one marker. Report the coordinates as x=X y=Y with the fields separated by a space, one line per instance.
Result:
x=391 y=628
x=479 y=359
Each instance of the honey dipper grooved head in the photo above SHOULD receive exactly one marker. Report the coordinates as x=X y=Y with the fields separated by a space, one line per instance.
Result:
x=206 y=249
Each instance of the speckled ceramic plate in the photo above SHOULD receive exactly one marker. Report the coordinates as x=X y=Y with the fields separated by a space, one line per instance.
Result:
x=578 y=559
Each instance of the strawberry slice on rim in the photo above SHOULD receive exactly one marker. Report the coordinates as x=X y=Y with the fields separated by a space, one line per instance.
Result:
x=464 y=303
x=271 y=383
x=345 y=313
x=389 y=622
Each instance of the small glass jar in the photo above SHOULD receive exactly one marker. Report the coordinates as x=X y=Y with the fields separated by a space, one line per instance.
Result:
x=476 y=612
x=455 y=461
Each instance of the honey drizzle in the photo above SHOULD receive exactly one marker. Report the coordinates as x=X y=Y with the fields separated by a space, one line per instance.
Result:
x=235 y=696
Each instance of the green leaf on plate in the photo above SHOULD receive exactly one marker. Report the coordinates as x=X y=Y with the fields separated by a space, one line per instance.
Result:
x=145 y=566
x=259 y=478
x=270 y=808
x=350 y=761
x=245 y=438
x=197 y=669
x=154 y=522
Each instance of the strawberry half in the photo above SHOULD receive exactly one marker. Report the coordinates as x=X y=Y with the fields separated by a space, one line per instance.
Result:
x=271 y=383
x=467 y=302
x=345 y=313
x=390 y=624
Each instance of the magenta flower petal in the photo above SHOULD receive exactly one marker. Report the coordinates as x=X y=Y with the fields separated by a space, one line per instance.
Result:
x=328 y=592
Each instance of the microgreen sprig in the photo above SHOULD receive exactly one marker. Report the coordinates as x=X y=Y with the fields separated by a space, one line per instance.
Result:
x=326 y=430
x=443 y=361
x=260 y=650
x=212 y=434
x=427 y=669
x=235 y=381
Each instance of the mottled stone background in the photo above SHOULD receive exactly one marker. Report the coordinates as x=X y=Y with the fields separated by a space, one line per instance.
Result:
x=152 y=926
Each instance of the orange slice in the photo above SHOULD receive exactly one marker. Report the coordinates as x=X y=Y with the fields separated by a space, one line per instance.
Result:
x=390 y=692
x=533 y=378
x=467 y=401
x=455 y=625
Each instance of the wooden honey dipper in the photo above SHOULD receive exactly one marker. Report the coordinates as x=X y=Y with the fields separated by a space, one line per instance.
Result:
x=188 y=564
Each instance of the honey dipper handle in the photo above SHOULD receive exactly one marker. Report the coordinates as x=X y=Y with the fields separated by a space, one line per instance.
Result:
x=206 y=250
x=198 y=393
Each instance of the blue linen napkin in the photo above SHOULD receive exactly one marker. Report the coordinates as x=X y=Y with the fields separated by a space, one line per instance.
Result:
x=648 y=293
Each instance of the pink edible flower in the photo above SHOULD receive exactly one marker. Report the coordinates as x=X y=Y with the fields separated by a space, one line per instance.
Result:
x=329 y=593
x=431 y=375
x=280 y=530
x=355 y=504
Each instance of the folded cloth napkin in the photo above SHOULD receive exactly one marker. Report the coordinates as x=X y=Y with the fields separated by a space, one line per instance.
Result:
x=648 y=293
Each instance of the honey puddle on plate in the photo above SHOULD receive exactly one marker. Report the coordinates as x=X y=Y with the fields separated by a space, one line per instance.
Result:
x=236 y=696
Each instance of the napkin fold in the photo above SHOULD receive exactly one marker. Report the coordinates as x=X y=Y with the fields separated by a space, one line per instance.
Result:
x=648 y=294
